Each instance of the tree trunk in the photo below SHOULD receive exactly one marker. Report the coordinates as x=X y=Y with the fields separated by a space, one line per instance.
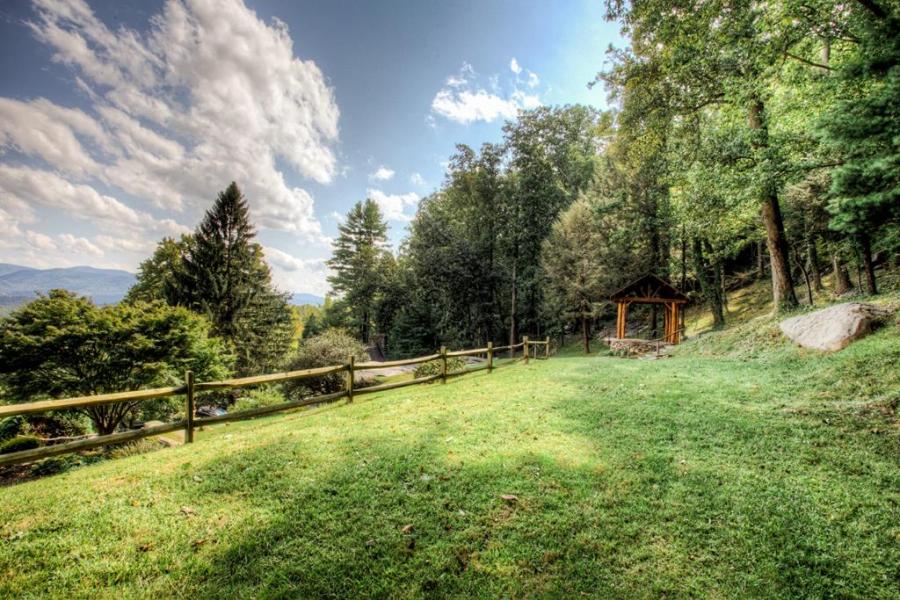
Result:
x=806 y=278
x=512 y=313
x=585 y=335
x=683 y=259
x=865 y=248
x=761 y=259
x=783 y=295
x=708 y=287
x=812 y=259
x=841 y=277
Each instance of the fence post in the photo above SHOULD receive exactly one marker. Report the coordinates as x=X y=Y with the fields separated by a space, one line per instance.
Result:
x=189 y=408
x=350 y=379
x=547 y=347
x=525 y=348
x=443 y=364
x=490 y=356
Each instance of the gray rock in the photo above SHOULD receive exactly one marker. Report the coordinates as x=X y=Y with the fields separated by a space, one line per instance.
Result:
x=835 y=327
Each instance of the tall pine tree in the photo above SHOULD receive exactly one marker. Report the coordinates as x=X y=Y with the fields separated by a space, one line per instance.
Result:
x=225 y=277
x=357 y=263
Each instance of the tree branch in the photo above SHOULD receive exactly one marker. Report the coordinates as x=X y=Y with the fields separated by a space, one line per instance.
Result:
x=808 y=62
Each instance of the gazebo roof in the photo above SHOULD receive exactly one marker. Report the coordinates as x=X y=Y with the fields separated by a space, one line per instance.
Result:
x=649 y=289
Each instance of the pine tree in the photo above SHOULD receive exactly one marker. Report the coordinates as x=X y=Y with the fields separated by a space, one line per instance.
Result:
x=357 y=260
x=224 y=276
x=864 y=131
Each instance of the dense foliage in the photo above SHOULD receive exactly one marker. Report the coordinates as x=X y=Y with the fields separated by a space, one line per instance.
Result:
x=62 y=345
x=333 y=347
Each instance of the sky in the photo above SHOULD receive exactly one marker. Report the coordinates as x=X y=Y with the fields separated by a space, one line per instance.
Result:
x=121 y=120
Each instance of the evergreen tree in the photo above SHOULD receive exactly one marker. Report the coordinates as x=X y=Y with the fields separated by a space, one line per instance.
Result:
x=225 y=277
x=570 y=259
x=864 y=131
x=357 y=263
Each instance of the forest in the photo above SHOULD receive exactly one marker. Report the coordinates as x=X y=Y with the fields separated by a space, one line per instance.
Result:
x=746 y=140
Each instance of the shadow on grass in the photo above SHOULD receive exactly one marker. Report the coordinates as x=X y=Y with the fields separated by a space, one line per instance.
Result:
x=658 y=510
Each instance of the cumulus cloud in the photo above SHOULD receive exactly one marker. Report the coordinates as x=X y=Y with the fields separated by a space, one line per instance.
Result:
x=21 y=188
x=393 y=205
x=210 y=94
x=292 y=273
x=464 y=100
x=533 y=79
x=417 y=180
x=382 y=173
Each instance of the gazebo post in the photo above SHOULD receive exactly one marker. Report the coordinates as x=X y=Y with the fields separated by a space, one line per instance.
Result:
x=676 y=334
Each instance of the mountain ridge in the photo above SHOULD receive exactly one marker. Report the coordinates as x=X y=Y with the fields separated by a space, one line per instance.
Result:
x=20 y=284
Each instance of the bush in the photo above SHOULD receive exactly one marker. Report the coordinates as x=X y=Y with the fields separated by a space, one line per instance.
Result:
x=333 y=347
x=57 y=424
x=54 y=465
x=19 y=443
x=259 y=397
x=11 y=427
x=454 y=363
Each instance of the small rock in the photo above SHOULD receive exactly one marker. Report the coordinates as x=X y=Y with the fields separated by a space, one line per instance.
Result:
x=188 y=511
x=407 y=529
x=511 y=498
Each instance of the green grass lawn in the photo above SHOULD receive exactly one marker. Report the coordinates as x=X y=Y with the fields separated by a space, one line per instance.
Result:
x=700 y=475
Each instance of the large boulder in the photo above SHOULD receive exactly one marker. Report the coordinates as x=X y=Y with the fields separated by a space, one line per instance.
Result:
x=834 y=327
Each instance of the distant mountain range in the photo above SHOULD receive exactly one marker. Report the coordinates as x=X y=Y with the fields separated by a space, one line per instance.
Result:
x=20 y=284
x=299 y=298
x=104 y=286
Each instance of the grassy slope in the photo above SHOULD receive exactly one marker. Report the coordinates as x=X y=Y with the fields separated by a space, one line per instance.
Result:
x=694 y=476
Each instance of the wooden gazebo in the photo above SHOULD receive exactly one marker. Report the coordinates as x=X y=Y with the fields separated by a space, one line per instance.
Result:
x=651 y=289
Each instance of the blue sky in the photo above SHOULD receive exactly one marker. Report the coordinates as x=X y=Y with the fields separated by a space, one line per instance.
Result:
x=120 y=121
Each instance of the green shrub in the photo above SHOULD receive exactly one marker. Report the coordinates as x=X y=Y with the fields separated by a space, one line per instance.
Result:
x=19 y=443
x=54 y=465
x=57 y=424
x=11 y=427
x=333 y=347
x=259 y=397
x=454 y=363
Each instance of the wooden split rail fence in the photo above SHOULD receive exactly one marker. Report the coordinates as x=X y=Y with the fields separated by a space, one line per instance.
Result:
x=191 y=388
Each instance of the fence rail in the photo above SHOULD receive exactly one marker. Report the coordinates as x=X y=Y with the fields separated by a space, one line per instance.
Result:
x=190 y=388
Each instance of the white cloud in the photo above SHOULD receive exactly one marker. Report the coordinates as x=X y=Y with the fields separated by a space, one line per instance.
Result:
x=294 y=274
x=465 y=106
x=382 y=173
x=533 y=79
x=210 y=94
x=43 y=251
x=79 y=245
x=21 y=188
x=417 y=180
x=514 y=66
x=464 y=101
x=42 y=129
x=393 y=205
